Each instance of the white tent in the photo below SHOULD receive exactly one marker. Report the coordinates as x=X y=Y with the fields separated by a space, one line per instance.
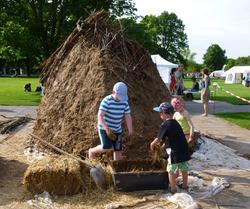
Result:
x=219 y=73
x=164 y=67
x=235 y=74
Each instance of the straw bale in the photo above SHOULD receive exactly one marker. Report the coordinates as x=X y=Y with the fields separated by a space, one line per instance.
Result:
x=56 y=175
x=81 y=72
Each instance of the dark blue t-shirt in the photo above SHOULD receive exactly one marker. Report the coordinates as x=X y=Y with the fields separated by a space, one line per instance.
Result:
x=174 y=138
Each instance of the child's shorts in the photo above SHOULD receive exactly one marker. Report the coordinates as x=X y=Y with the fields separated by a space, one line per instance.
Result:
x=173 y=168
x=116 y=145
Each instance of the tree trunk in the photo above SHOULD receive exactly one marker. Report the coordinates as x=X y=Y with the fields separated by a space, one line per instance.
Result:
x=28 y=67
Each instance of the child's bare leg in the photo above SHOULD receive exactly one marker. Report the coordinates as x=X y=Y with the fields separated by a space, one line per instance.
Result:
x=184 y=179
x=176 y=174
x=97 y=150
x=117 y=155
x=172 y=182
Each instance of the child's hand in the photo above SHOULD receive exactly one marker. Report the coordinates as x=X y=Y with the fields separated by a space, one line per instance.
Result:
x=152 y=145
x=189 y=139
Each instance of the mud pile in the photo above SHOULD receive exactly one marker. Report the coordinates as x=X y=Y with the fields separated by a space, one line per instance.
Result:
x=82 y=71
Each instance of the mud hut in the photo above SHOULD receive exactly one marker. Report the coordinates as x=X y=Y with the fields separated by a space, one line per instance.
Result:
x=82 y=71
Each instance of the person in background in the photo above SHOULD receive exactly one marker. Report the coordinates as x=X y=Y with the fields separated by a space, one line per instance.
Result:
x=205 y=91
x=176 y=146
x=172 y=81
x=183 y=118
x=38 y=88
x=195 y=85
x=113 y=109
x=27 y=87
x=179 y=79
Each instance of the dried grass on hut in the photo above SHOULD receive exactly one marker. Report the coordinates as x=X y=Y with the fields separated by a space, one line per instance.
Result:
x=56 y=175
x=82 y=71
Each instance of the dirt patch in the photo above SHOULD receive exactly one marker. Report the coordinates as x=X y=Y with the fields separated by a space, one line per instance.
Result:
x=81 y=72
x=13 y=194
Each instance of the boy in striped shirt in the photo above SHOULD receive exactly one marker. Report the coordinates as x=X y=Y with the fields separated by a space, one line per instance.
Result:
x=112 y=110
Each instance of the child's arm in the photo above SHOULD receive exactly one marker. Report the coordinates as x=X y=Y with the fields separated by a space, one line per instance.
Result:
x=153 y=143
x=101 y=120
x=190 y=123
x=128 y=120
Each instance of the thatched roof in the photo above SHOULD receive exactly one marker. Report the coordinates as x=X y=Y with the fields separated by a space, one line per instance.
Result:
x=82 y=71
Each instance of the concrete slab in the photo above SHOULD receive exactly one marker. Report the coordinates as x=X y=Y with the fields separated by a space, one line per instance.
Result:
x=195 y=107
x=229 y=134
x=19 y=111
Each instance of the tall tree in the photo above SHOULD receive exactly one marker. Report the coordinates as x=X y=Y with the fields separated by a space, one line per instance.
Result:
x=138 y=32
x=18 y=45
x=52 y=20
x=215 y=58
x=44 y=24
x=167 y=30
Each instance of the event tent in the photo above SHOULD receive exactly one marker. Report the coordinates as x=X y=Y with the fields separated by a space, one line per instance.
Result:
x=219 y=73
x=164 y=67
x=235 y=74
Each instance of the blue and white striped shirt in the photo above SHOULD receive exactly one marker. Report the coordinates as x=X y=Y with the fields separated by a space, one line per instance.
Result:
x=114 y=113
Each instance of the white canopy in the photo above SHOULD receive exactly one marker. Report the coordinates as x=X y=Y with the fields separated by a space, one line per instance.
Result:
x=164 y=67
x=235 y=74
x=218 y=73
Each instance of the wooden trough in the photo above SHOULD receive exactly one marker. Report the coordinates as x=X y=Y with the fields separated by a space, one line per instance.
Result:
x=139 y=175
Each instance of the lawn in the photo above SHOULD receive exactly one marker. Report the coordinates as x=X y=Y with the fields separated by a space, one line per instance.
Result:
x=237 y=89
x=241 y=119
x=11 y=91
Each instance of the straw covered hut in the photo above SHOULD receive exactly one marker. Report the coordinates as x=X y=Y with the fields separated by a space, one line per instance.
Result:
x=82 y=71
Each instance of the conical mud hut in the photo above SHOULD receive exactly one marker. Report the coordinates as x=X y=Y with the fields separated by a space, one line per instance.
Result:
x=81 y=72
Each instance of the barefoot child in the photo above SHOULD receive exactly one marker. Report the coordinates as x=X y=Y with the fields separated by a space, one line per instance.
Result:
x=176 y=145
x=183 y=118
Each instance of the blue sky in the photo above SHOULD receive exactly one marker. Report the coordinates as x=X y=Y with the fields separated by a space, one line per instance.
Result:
x=222 y=22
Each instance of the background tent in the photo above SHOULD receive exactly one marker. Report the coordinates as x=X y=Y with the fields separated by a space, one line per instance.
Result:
x=219 y=73
x=164 y=67
x=235 y=74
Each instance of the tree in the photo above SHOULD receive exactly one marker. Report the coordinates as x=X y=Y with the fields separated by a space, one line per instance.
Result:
x=230 y=63
x=215 y=58
x=18 y=46
x=240 y=61
x=44 y=24
x=52 y=21
x=243 y=61
x=138 y=32
x=167 y=31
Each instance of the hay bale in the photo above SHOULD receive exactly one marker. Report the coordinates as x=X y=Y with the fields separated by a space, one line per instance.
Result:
x=56 y=175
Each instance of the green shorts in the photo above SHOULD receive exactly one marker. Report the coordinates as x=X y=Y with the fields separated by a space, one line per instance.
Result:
x=173 y=168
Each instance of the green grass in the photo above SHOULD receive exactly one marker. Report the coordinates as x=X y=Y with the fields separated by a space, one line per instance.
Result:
x=11 y=92
x=241 y=119
x=237 y=89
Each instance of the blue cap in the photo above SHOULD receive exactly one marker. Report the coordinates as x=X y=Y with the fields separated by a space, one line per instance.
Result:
x=121 y=90
x=164 y=107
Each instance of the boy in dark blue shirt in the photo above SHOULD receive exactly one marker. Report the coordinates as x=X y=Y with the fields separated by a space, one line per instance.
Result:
x=176 y=145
